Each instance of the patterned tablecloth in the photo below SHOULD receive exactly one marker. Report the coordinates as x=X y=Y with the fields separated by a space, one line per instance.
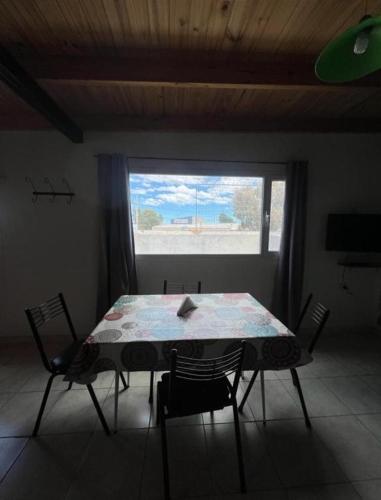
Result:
x=139 y=332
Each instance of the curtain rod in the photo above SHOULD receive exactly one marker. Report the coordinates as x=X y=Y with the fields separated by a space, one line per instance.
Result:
x=204 y=160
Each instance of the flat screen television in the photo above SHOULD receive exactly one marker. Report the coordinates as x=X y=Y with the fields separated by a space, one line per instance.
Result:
x=354 y=232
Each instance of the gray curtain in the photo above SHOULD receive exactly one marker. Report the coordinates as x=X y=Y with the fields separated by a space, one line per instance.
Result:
x=289 y=274
x=117 y=271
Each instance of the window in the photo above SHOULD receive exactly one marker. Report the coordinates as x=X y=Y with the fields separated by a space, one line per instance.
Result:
x=276 y=214
x=204 y=214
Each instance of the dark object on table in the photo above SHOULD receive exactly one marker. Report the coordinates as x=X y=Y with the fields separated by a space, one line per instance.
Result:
x=187 y=305
x=196 y=386
x=175 y=288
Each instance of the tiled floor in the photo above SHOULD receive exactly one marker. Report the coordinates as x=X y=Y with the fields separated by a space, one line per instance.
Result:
x=339 y=459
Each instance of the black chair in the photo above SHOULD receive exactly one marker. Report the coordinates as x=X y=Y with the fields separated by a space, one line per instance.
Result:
x=195 y=386
x=38 y=316
x=174 y=288
x=319 y=317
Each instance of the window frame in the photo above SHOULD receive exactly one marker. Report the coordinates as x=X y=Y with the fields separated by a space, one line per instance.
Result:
x=269 y=172
x=266 y=212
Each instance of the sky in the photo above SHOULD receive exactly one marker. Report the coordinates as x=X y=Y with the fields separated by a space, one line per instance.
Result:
x=177 y=196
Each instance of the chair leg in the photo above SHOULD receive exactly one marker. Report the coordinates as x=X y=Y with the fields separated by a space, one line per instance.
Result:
x=157 y=407
x=302 y=402
x=70 y=386
x=263 y=396
x=125 y=385
x=164 y=451
x=43 y=404
x=98 y=408
x=116 y=402
x=247 y=392
x=239 y=449
x=150 y=399
x=293 y=378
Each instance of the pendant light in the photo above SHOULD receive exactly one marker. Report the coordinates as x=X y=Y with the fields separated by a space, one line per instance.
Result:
x=353 y=54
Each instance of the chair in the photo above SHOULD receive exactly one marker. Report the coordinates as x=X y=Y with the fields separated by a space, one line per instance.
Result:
x=175 y=288
x=319 y=317
x=38 y=316
x=196 y=386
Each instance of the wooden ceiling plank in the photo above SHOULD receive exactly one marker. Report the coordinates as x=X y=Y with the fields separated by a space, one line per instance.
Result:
x=281 y=15
x=76 y=38
x=16 y=78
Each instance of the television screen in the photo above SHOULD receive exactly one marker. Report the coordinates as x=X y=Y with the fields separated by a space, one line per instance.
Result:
x=354 y=232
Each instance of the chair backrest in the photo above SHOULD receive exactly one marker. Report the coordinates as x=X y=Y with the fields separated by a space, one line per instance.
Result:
x=303 y=313
x=39 y=315
x=319 y=316
x=206 y=370
x=174 y=287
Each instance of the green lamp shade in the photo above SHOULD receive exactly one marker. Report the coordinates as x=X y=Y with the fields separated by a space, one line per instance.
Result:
x=338 y=61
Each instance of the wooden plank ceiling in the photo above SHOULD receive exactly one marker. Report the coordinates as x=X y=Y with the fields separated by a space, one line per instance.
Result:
x=186 y=64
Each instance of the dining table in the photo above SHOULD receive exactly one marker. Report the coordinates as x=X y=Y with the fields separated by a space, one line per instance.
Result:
x=139 y=332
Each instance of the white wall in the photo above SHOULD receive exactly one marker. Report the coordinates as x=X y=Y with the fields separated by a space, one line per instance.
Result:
x=46 y=247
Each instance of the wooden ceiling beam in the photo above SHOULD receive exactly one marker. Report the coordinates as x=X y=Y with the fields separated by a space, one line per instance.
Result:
x=25 y=87
x=31 y=121
x=228 y=124
x=164 y=69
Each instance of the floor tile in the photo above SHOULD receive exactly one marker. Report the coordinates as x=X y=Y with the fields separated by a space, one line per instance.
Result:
x=104 y=380
x=279 y=403
x=373 y=423
x=324 y=492
x=10 y=448
x=45 y=469
x=39 y=379
x=323 y=365
x=369 y=490
x=182 y=421
x=256 y=495
x=19 y=413
x=5 y=397
x=139 y=379
x=260 y=472
x=226 y=415
x=355 y=448
x=134 y=410
x=355 y=394
x=14 y=376
x=299 y=455
x=374 y=382
x=320 y=401
x=73 y=411
x=111 y=467
x=188 y=464
x=269 y=375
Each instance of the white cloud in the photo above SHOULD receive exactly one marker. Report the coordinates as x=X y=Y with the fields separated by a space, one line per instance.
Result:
x=170 y=179
x=138 y=191
x=153 y=202
x=184 y=190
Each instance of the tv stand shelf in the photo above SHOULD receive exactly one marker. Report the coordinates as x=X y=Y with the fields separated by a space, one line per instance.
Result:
x=360 y=264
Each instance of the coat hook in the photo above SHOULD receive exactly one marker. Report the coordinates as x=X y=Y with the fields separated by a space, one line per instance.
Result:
x=47 y=181
x=35 y=195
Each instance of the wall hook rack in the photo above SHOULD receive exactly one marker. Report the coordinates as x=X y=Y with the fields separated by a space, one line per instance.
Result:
x=51 y=192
